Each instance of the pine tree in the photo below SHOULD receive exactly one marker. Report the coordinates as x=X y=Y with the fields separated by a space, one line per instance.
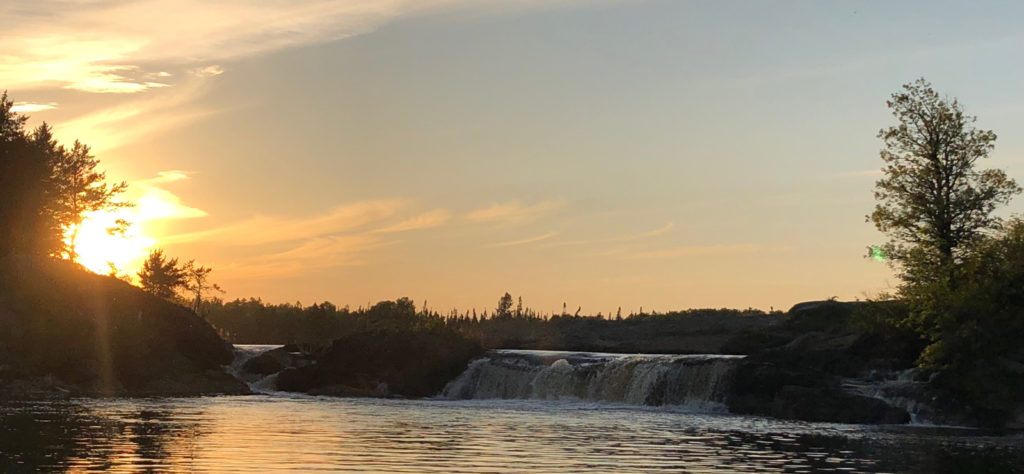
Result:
x=161 y=276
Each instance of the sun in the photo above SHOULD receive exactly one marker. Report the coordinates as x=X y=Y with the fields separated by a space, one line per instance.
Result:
x=98 y=248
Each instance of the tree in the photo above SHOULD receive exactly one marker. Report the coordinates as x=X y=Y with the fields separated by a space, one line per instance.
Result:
x=50 y=238
x=48 y=189
x=23 y=171
x=932 y=200
x=962 y=269
x=197 y=281
x=504 y=309
x=79 y=189
x=161 y=276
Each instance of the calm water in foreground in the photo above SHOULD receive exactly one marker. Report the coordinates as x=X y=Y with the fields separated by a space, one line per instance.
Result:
x=277 y=433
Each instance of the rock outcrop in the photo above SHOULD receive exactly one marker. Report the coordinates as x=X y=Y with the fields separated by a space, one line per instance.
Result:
x=68 y=332
x=798 y=371
x=386 y=362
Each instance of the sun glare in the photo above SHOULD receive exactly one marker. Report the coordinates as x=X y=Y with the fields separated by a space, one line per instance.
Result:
x=98 y=248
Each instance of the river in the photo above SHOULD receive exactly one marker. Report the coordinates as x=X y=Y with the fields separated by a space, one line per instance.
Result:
x=278 y=432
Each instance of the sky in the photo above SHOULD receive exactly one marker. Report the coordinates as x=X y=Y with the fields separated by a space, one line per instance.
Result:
x=602 y=154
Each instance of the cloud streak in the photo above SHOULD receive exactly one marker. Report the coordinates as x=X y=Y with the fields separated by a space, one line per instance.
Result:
x=512 y=212
x=29 y=107
x=694 y=251
x=101 y=47
x=323 y=252
x=266 y=229
x=524 y=241
x=434 y=218
x=133 y=120
x=625 y=238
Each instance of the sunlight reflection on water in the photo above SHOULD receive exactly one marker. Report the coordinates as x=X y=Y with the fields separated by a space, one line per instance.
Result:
x=274 y=433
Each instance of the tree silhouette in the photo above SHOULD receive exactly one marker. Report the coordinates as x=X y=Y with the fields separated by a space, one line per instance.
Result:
x=504 y=309
x=48 y=189
x=197 y=282
x=23 y=171
x=161 y=276
x=79 y=189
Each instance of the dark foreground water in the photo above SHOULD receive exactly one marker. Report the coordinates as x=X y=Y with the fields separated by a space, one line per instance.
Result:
x=278 y=433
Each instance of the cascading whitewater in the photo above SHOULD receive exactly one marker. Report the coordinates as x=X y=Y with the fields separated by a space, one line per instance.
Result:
x=256 y=382
x=697 y=381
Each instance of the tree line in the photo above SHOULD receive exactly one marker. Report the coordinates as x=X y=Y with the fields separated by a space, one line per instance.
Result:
x=255 y=321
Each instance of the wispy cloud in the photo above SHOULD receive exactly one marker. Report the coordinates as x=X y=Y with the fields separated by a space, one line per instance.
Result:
x=693 y=251
x=145 y=48
x=525 y=241
x=29 y=107
x=207 y=71
x=434 y=218
x=512 y=212
x=323 y=252
x=133 y=120
x=265 y=229
x=102 y=46
x=113 y=80
x=168 y=176
x=625 y=238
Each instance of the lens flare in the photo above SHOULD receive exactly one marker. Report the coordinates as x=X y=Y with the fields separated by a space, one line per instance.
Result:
x=878 y=253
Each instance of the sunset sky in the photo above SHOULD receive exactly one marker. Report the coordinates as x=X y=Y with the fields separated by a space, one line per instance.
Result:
x=664 y=154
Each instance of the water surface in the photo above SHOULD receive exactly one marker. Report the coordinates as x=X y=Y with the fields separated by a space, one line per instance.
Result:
x=285 y=433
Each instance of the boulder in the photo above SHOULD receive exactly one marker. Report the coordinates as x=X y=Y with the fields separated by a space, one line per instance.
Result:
x=270 y=362
x=830 y=404
x=386 y=362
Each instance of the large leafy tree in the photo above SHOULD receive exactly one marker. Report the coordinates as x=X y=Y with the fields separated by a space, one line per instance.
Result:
x=962 y=266
x=933 y=201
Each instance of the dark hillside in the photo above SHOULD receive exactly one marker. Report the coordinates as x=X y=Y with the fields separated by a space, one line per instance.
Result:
x=70 y=331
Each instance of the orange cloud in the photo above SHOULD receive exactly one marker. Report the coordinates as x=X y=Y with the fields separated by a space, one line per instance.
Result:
x=263 y=229
x=625 y=238
x=525 y=241
x=511 y=212
x=434 y=218
x=29 y=107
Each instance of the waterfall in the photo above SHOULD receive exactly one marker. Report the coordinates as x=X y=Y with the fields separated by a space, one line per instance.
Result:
x=695 y=381
x=257 y=383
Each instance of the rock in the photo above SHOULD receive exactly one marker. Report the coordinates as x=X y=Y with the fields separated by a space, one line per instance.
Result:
x=832 y=405
x=270 y=362
x=791 y=384
x=386 y=362
x=210 y=382
x=97 y=335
